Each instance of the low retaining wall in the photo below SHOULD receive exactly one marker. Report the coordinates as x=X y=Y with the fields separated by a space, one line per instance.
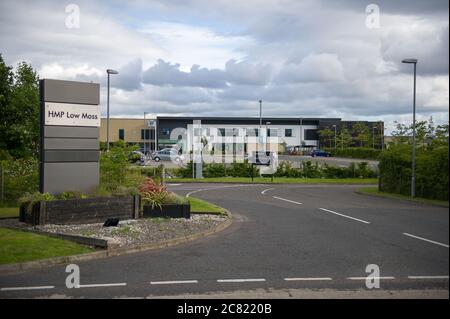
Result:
x=81 y=211
x=170 y=210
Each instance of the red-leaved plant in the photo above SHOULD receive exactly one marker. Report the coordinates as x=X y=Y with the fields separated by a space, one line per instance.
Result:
x=153 y=193
x=150 y=186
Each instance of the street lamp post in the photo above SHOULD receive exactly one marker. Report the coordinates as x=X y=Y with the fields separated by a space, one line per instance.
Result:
x=413 y=175
x=373 y=136
x=335 y=136
x=109 y=72
x=145 y=134
x=267 y=134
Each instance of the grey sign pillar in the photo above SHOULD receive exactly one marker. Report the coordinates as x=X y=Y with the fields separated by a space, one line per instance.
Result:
x=69 y=136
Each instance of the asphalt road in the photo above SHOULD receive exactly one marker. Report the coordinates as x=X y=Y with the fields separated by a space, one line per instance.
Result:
x=283 y=237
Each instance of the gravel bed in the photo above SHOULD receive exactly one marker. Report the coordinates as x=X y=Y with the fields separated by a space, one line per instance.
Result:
x=132 y=232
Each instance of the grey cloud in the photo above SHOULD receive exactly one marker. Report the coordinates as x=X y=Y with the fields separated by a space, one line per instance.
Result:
x=164 y=73
x=247 y=73
x=429 y=44
x=322 y=67
x=129 y=76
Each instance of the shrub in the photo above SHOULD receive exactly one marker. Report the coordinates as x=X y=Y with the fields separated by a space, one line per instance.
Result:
x=153 y=193
x=355 y=152
x=431 y=171
x=21 y=176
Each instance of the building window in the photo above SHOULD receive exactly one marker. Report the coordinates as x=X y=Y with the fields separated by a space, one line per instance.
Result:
x=311 y=135
x=252 y=132
x=221 y=132
x=121 y=134
x=288 y=132
x=272 y=132
x=145 y=134
x=165 y=131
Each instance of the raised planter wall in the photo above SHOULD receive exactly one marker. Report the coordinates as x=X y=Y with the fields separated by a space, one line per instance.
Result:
x=173 y=211
x=81 y=211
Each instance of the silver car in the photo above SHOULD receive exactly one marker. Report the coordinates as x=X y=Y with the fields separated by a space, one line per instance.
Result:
x=167 y=154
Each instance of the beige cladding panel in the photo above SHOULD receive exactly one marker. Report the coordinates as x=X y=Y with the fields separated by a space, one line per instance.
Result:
x=132 y=129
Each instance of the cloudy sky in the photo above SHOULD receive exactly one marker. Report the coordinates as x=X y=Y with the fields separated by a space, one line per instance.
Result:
x=312 y=58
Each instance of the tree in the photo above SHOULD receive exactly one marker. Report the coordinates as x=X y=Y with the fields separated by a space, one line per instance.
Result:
x=344 y=139
x=362 y=133
x=19 y=114
x=326 y=135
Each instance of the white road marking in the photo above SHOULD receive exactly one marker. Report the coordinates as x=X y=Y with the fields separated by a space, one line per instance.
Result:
x=427 y=277
x=241 y=280
x=287 y=200
x=266 y=190
x=26 y=288
x=346 y=216
x=174 y=282
x=103 y=285
x=372 y=278
x=427 y=240
x=173 y=184
x=220 y=187
x=196 y=191
x=308 y=279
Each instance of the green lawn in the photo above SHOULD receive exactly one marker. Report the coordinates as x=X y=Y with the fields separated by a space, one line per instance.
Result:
x=9 y=211
x=18 y=246
x=201 y=206
x=374 y=191
x=279 y=180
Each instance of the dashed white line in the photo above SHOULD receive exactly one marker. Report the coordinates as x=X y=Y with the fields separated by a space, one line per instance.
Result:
x=121 y=284
x=346 y=216
x=287 y=200
x=266 y=190
x=308 y=279
x=427 y=277
x=372 y=278
x=174 y=282
x=427 y=240
x=26 y=288
x=241 y=280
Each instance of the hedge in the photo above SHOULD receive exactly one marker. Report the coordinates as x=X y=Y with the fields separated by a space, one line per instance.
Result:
x=431 y=172
x=355 y=152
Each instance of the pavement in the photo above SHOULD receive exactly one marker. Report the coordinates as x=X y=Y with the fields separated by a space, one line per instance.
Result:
x=292 y=239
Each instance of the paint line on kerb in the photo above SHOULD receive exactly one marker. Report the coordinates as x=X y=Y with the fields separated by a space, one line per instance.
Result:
x=26 y=288
x=427 y=277
x=120 y=284
x=220 y=187
x=308 y=279
x=266 y=190
x=174 y=282
x=371 y=278
x=287 y=200
x=241 y=280
x=196 y=191
x=346 y=216
x=427 y=240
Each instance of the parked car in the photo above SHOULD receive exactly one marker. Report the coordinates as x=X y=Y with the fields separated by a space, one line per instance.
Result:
x=167 y=154
x=320 y=153
x=137 y=156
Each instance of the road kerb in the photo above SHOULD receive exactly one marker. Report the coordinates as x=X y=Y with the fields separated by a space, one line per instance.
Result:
x=20 y=267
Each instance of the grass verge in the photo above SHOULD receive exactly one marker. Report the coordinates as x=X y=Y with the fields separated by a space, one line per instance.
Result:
x=374 y=191
x=279 y=180
x=17 y=246
x=9 y=211
x=201 y=206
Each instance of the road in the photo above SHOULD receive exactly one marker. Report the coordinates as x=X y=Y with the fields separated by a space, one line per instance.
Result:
x=284 y=237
